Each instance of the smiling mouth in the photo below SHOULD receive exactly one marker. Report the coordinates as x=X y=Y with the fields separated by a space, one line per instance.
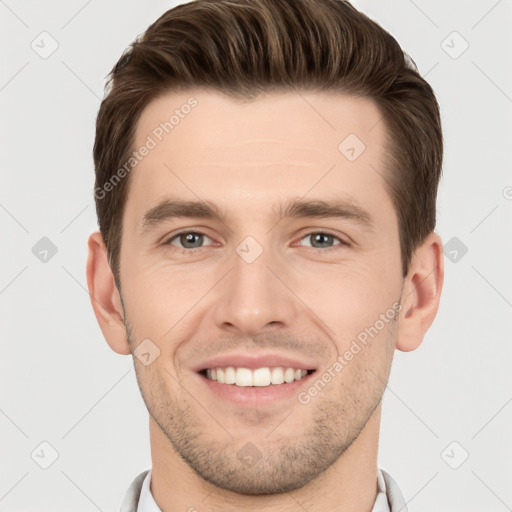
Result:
x=259 y=377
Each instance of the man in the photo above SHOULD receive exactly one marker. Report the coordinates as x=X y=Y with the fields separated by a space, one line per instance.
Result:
x=266 y=180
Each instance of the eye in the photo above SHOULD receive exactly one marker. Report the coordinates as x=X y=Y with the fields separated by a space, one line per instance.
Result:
x=191 y=240
x=188 y=240
x=322 y=240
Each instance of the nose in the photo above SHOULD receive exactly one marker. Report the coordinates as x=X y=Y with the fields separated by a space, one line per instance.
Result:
x=255 y=297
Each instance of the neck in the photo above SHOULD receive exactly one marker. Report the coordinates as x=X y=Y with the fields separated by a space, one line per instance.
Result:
x=348 y=485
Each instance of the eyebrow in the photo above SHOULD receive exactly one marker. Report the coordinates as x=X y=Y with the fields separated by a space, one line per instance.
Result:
x=336 y=208
x=169 y=209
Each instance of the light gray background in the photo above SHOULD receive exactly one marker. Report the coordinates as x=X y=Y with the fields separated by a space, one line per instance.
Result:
x=60 y=383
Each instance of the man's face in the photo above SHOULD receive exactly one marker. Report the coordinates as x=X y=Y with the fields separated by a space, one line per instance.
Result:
x=255 y=290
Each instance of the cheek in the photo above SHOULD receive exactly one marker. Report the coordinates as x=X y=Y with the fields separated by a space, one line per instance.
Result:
x=350 y=296
x=162 y=301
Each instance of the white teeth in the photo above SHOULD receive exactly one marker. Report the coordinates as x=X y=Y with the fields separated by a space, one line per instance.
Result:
x=229 y=375
x=260 y=377
x=243 y=377
x=289 y=375
x=277 y=375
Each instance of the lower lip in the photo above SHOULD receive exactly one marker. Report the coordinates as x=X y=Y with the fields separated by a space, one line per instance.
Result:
x=254 y=396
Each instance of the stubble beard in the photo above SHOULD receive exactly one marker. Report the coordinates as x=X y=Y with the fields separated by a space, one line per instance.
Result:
x=278 y=463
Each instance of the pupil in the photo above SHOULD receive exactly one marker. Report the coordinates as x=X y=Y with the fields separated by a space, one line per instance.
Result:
x=322 y=238
x=189 y=239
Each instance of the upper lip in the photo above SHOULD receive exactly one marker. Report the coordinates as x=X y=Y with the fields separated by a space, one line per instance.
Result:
x=253 y=361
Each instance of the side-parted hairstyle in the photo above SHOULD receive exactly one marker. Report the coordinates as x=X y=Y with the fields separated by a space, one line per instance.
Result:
x=244 y=48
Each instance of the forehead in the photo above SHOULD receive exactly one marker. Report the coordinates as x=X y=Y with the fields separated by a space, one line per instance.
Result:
x=273 y=119
x=205 y=145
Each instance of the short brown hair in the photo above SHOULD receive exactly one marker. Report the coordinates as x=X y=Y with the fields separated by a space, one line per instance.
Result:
x=243 y=48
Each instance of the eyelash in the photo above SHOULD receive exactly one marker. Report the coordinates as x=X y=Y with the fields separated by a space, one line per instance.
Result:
x=194 y=249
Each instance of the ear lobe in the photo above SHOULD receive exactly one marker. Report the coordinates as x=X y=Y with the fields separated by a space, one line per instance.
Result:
x=421 y=293
x=105 y=298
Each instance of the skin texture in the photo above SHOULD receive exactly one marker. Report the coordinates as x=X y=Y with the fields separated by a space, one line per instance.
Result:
x=297 y=298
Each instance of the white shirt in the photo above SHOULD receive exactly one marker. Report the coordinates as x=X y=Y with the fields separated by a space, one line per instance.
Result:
x=148 y=504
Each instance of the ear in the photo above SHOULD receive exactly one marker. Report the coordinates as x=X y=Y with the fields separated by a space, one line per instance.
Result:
x=421 y=293
x=105 y=298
